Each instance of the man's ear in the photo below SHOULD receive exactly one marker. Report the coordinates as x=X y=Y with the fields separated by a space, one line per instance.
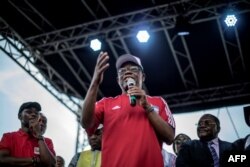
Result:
x=143 y=77
x=217 y=128
x=117 y=80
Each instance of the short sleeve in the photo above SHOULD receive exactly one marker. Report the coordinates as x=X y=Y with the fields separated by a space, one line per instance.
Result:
x=5 y=143
x=50 y=145
x=166 y=114
x=98 y=117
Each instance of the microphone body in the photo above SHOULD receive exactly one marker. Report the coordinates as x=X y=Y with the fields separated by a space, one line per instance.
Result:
x=132 y=98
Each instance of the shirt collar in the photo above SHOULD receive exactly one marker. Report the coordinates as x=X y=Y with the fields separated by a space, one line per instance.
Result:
x=22 y=132
x=215 y=141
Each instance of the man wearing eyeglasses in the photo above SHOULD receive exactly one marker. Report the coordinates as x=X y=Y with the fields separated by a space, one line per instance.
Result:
x=206 y=151
x=135 y=124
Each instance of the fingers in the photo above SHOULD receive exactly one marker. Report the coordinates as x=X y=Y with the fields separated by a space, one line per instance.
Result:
x=101 y=65
x=136 y=91
x=32 y=122
x=101 y=57
x=102 y=62
x=140 y=94
x=34 y=125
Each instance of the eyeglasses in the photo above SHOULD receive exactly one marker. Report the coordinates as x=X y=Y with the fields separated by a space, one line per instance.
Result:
x=134 y=69
x=205 y=123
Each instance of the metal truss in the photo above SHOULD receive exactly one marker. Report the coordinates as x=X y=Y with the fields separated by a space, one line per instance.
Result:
x=78 y=36
x=160 y=18
x=20 y=52
x=189 y=82
x=34 y=17
x=202 y=96
x=100 y=5
x=114 y=29
x=232 y=43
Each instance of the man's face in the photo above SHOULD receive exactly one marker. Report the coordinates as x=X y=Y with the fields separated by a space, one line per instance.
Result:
x=179 y=141
x=207 y=128
x=130 y=70
x=95 y=140
x=59 y=162
x=42 y=122
x=27 y=115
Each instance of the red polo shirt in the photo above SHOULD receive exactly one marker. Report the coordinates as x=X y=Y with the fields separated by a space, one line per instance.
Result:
x=22 y=145
x=128 y=139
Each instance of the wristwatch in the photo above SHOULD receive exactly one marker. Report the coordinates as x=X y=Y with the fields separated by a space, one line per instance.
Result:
x=150 y=109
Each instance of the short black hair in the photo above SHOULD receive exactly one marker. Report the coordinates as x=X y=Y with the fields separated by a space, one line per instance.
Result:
x=28 y=105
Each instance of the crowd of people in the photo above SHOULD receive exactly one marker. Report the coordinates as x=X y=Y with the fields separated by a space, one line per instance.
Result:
x=123 y=131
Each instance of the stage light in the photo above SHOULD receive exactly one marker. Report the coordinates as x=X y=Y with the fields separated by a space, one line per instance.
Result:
x=230 y=20
x=182 y=26
x=95 y=44
x=143 y=36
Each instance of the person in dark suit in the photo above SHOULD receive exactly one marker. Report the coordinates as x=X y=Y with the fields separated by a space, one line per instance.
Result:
x=206 y=151
x=243 y=144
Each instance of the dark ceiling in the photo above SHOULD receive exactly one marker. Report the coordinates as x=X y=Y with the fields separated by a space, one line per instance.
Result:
x=206 y=69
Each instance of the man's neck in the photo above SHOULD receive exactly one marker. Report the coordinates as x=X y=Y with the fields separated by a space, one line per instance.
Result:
x=25 y=129
x=207 y=139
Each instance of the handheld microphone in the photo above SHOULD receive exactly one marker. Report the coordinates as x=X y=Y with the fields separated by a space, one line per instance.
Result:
x=132 y=98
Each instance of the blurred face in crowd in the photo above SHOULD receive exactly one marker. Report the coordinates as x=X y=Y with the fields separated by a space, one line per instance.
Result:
x=95 y=140
x=208 y=128
x=178 y=141
x=43 y=122
x=60 y=161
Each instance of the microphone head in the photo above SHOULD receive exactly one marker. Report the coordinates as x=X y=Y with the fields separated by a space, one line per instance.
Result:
x=132 y=99
x=130 y=82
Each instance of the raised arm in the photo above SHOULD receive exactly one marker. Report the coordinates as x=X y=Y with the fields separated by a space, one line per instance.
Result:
x=47 y=158
x=87 y=114
x=47 y=154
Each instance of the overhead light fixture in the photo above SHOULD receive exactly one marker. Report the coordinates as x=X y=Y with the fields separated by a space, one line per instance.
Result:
x=95 y=44
x=143 y=36
x=182 y=25
x=230 y=20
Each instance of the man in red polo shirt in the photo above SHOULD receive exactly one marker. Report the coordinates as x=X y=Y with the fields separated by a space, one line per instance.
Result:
x=134 y=124
x=27 y=146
